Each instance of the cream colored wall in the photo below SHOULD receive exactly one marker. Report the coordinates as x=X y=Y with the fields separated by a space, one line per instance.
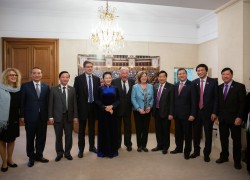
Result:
x=172 y=55
x=208 y=54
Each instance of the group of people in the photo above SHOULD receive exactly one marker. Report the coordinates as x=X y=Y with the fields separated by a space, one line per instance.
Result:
x=192 y=105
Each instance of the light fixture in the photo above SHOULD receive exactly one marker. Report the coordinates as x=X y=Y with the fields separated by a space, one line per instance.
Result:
x=107 y=36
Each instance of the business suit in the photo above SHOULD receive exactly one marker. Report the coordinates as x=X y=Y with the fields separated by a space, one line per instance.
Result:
x=86 y=110
x=34 y=110
x=63 y=115
x=210 y=106
x=142 y=120
x=166 y=108
x=248 y=131
x=124 y=111
x=185 y=106
x=230 y=108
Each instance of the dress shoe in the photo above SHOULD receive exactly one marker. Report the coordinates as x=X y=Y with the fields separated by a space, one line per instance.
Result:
x=164 y=151
x=206 y=158
x=80 y=154
x=58 y=158
x=175 y=151
x=30 y=163
x=42 y=160
x=237 y=166
x=156 y=149
x=129 y=148
x=139 y=149
x=4 y=169
x=144 y=149
x=12 y=165
x=220 y=160
x=93 y=149
x=186 y=156
x=69 y=157
x=194 y=155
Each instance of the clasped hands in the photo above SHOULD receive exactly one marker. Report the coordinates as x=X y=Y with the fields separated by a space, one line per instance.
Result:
x=142 y=111
x=109 y=109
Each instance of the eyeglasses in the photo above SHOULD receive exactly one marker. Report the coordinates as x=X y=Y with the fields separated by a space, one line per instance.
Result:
x=13 y=75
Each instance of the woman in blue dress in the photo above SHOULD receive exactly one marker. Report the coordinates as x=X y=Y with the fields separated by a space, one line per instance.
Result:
x=108 y=101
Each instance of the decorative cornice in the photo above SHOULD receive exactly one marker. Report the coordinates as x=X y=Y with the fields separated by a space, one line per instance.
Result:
x=230 y=3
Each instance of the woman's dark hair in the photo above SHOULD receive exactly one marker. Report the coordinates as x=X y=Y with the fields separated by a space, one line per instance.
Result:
x=104 y=74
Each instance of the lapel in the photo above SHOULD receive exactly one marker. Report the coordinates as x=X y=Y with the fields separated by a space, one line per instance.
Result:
x=120 y=85
x=84 y=83
x=32 y=87
x=207 y=86
x=59 y=91
x=229 y=91
x=184 y=86
x=177 y=88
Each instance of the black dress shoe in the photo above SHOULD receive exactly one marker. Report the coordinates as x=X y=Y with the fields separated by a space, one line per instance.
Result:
x=175 y=151
x=4 y=169
x=93 y=149
x=42 y=160
x=164 y=151
x=237 y=166
x=220 y=160
x=206 y=158
x=30 y=163
x=139 y=149
x=12 y=165
x=186 y=156
x=58 y=158
x=69 y=157
x=156 y=149
x=129 y=148
x=194 y=155
x=144 y=149
x=80 y=154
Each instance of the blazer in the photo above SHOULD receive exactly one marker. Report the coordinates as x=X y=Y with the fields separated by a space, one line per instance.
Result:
x=31 y=105
x=210 y=96
x=56 y=104
x=185 y=102
x=125 y=106
x=81 y=88
x=137 y=96
x=166 y=101
x=234 y=104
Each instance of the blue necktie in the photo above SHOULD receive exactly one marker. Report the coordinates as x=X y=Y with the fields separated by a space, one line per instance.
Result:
x=91 y=99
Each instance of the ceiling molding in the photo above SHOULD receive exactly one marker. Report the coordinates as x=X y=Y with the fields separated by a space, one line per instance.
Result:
x=230 y=3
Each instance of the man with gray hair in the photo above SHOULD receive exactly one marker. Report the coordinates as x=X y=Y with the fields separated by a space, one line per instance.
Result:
x=124 y=85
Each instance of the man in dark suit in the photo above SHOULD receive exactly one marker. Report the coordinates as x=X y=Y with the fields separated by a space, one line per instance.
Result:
x=247 y=121
x=163 y=111
x=185 y=112
x=62 y=112
x=232 y=96
x=86 y=86
x=34 y=113
x=206 y=91
x=124 y=85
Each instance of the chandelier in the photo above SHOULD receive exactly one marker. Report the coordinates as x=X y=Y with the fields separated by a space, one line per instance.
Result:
x=107 y=35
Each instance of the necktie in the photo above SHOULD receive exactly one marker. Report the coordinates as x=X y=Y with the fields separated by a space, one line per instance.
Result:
x=225 y=91
x=91 y=99
x=64 y=98
x=124 y=87
x=158 y=97
x=37 y=90
x=201 y=94
x=180 y=88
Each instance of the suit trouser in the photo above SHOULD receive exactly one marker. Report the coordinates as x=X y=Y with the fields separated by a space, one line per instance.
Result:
x=127 y=130
x=235 y=135
x=91 y=128
x=67 y=127
x=141 y=126
x=35 y=131
x=207 y=123
x=183 y=131
x=248 y=151
x=162 y=131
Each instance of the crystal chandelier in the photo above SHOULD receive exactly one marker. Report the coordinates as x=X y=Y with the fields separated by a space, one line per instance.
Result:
x=107 y=35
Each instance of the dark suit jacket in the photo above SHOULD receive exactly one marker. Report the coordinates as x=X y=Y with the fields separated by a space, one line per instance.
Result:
x=234 y=104
x=167 y=100
x=56 y=104
x=31 y=104
x=210 y=96
x=185 y=102
x=125 y=106
x=81 y=88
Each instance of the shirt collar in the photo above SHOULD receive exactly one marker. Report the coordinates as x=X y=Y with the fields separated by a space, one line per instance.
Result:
x=229 y=84
x=39 y=83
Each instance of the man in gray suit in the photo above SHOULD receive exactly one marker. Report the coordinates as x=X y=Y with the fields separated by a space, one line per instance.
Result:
x=62 y=112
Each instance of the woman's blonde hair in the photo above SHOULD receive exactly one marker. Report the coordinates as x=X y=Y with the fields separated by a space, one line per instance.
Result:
x=140 y=75
x=5 y=76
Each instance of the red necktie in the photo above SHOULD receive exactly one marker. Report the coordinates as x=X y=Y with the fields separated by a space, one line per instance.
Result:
x=180 y=88
x=201 y=94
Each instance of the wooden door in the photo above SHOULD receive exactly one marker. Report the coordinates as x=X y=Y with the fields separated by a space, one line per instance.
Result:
x=25 y=53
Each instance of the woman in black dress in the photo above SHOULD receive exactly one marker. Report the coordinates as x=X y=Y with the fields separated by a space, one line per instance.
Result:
x=108 y=101
x=9 y=109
